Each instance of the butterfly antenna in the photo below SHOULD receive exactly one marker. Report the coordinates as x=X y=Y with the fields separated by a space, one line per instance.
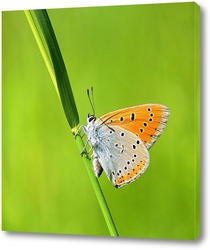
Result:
x=91 y=99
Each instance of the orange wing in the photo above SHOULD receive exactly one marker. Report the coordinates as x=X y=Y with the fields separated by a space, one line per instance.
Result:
x=146 y=121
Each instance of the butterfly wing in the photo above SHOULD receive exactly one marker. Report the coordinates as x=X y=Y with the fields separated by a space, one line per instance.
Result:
x=122 y=154
x=147 y=121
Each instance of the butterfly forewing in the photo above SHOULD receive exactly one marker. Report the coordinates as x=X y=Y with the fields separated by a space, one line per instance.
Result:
x=146 y=121
x=122 y=154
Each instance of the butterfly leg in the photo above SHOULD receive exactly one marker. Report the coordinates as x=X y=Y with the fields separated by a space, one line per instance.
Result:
x=97 y=166
x=84 y=151
x=78 y=133
x=88 y=152
x=82 y=127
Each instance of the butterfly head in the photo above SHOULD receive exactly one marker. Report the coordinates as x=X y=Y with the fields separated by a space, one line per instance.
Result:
x=91 y=119
x=91 y=130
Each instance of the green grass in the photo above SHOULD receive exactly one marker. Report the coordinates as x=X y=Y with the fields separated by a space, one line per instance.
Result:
x=43 y=32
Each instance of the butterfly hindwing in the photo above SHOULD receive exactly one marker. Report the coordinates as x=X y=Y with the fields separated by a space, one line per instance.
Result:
x=146 y=121
x=121 y=154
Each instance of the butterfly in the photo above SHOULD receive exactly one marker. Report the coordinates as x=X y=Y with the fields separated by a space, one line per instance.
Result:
x=121 y=139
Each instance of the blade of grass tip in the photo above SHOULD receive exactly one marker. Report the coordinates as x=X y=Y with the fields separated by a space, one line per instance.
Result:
x=44 y=34
x=47 y=43
x=43 y=24
x=42 y=47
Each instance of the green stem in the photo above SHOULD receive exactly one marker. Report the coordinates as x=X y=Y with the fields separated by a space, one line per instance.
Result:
x=98 y=191
x=47 y=43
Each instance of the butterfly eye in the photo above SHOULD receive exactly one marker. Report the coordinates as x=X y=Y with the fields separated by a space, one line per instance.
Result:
x=91 y=118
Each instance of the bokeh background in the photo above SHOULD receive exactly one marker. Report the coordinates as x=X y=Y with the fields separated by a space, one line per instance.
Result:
x=131 y=55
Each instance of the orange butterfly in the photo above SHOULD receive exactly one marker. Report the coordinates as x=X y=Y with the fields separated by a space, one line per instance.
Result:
x=120 y=140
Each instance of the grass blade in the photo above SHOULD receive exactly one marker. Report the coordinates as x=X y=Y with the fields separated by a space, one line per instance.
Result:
x=47 y=42
x=44 y=29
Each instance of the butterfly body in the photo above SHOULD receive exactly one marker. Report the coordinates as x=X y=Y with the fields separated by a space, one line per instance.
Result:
x=121 y=139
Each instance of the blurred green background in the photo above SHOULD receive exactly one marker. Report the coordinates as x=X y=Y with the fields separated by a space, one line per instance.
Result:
x=131 y=55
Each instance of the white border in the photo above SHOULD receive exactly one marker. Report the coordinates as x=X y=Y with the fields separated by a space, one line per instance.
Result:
x=38 y=241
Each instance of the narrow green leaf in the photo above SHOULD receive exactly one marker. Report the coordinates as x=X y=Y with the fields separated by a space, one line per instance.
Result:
x=39 y=37
x=46 y=40
x=62 y=79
